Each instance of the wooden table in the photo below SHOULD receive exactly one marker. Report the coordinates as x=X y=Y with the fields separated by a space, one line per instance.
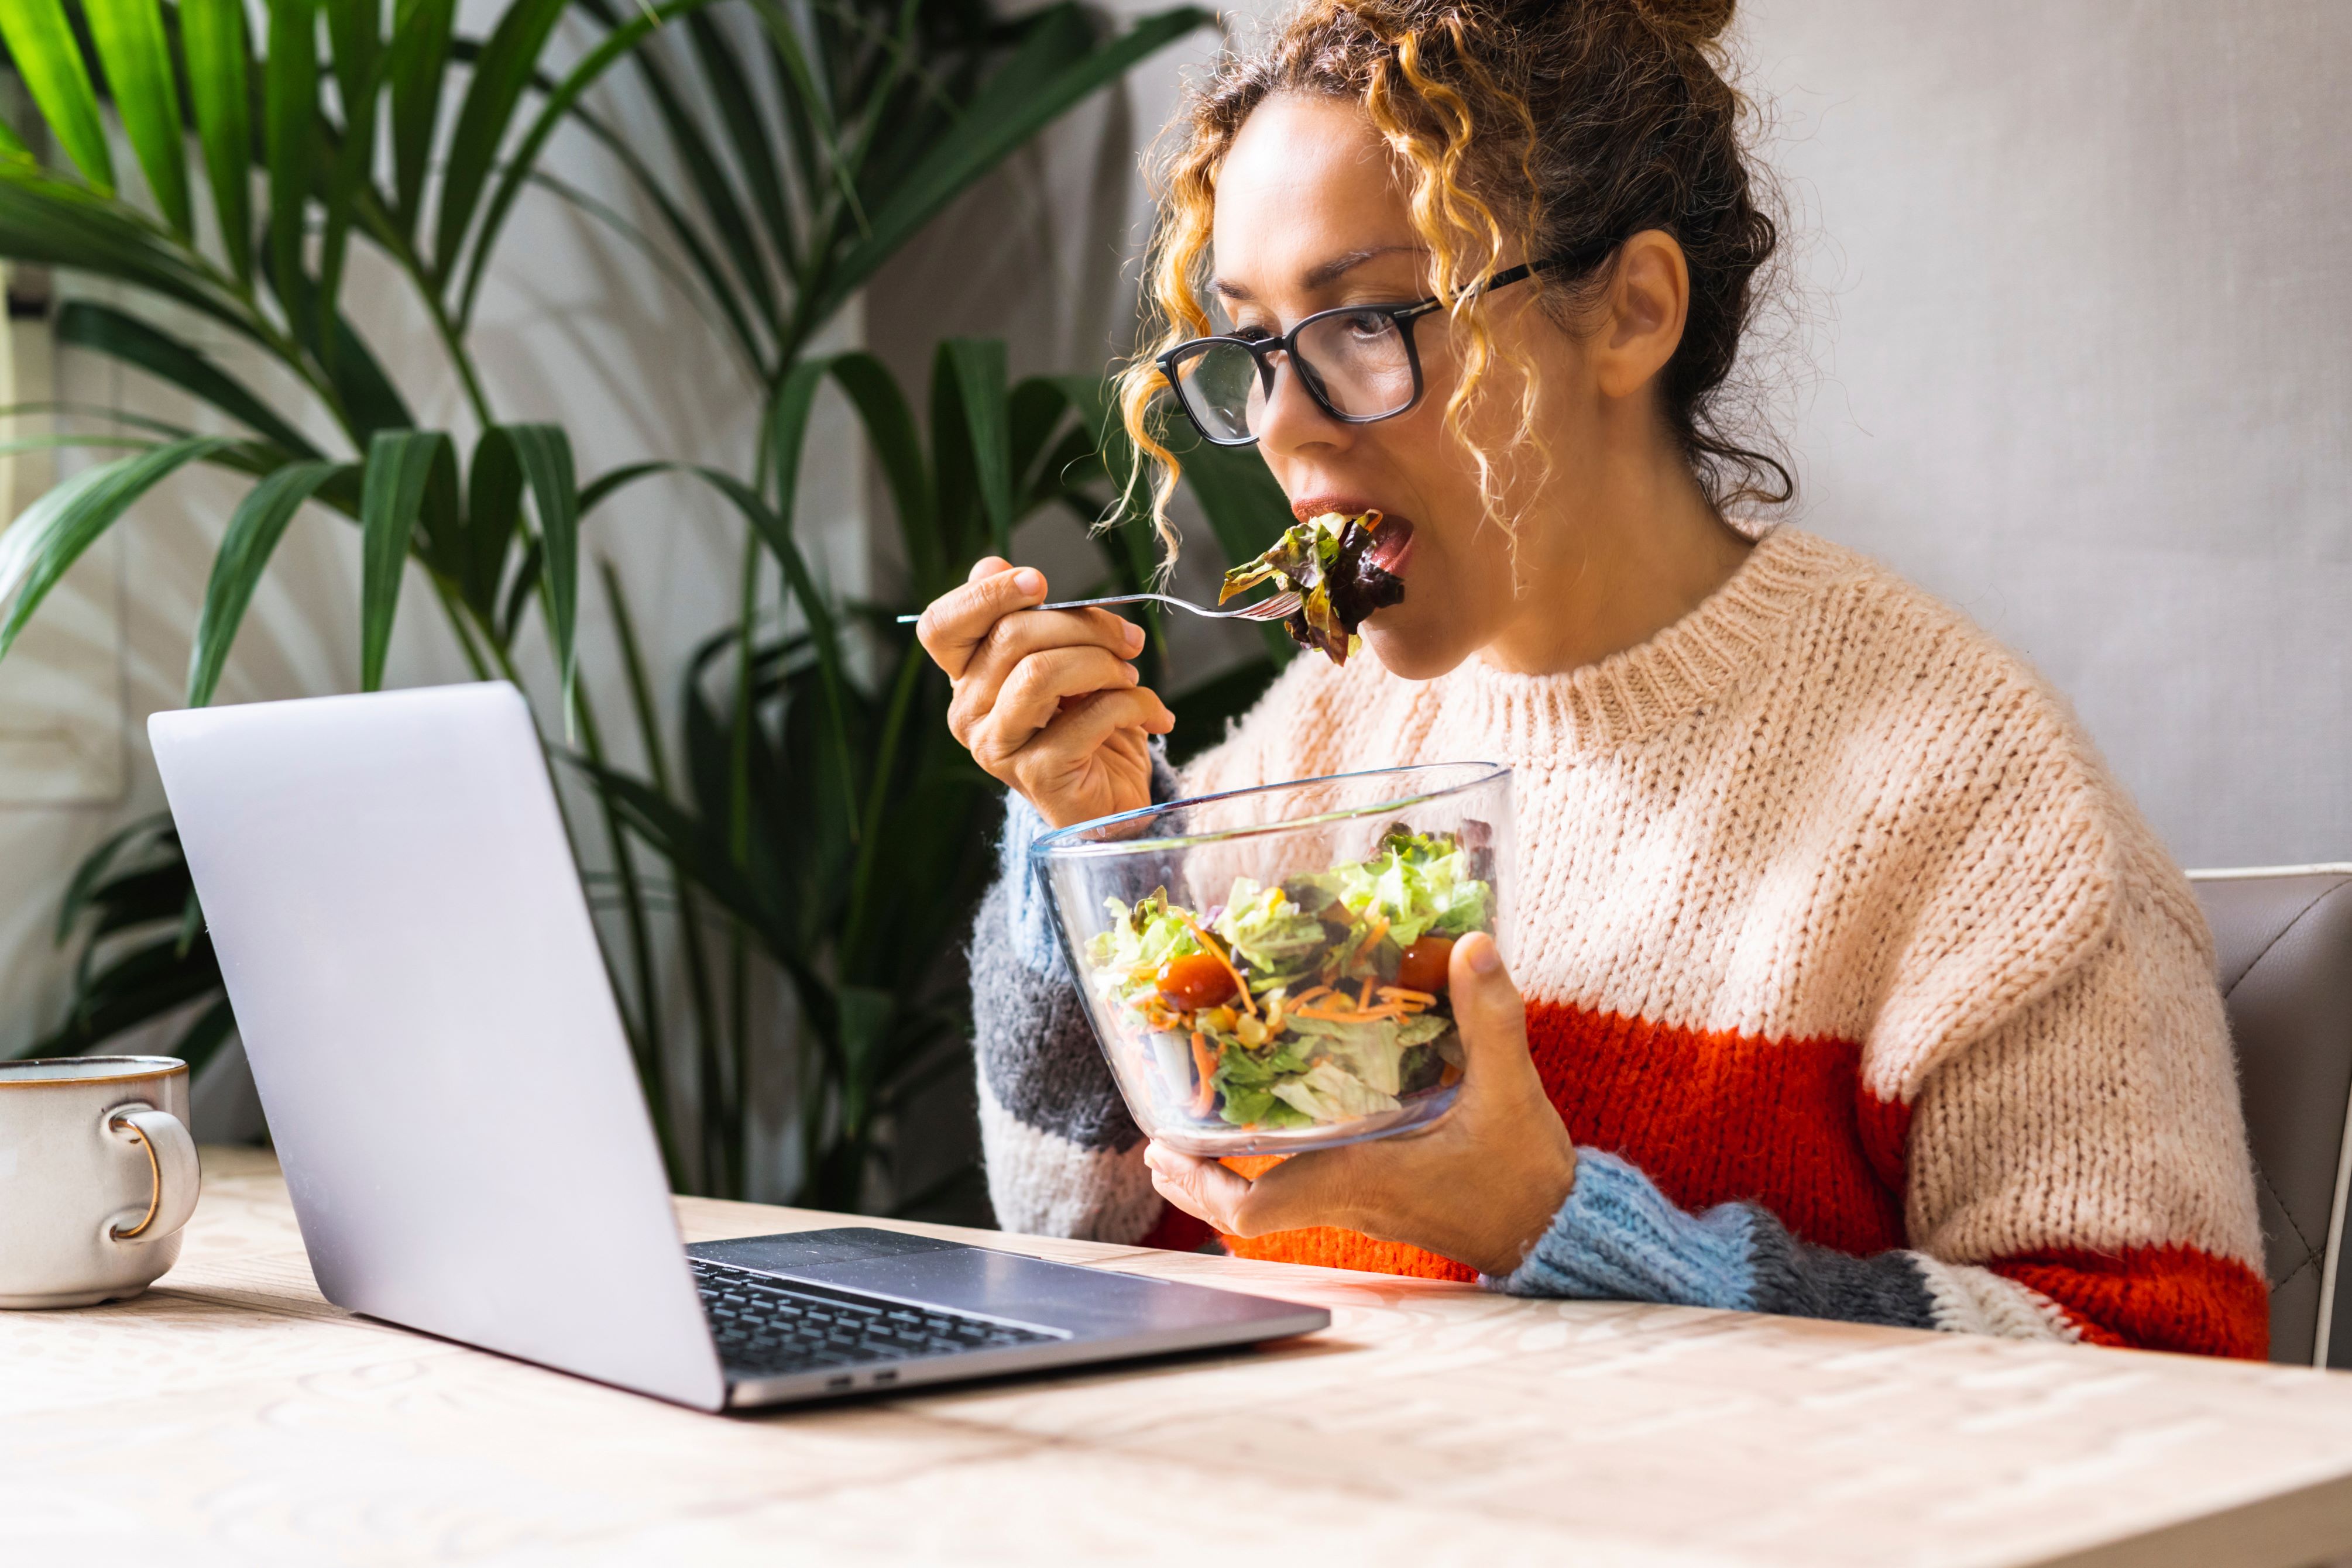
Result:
x=231 y=1416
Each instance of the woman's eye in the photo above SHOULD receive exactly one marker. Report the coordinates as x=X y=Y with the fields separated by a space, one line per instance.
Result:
x=1251 y=333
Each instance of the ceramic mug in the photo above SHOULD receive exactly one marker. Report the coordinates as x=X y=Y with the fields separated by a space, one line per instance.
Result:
x=97 y=1175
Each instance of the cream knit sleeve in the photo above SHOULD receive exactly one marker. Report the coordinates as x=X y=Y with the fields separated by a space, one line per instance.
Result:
x=2090 y=1148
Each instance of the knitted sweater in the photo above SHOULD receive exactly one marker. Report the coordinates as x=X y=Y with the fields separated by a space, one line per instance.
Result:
x=1862 y=989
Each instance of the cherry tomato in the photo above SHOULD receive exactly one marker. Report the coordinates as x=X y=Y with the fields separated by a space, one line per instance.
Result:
x=1195 y=981
x=1423 y=966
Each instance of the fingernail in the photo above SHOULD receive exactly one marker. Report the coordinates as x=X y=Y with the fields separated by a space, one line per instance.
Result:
x=1134 y=637
x=1485 y=957
x=1029 y=582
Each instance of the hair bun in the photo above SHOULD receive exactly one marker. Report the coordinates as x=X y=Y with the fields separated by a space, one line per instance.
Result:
x=1691 y=21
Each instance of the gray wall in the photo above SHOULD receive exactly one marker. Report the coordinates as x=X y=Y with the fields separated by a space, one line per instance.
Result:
x=2079 y=276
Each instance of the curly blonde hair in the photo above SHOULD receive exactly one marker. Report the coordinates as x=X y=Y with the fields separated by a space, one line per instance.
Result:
x=1563 y=126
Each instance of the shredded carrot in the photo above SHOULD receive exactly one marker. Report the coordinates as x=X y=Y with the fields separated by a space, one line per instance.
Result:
x=1401 y=994
x=1210 y=948
x=1366 y=1015
x=1303 y=998
x=1205 y=1061
x=1364 y=998
x=1377 y=932
x=1449 y=1076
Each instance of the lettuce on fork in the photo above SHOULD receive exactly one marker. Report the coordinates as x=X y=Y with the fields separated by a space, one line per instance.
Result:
x=1327 y=562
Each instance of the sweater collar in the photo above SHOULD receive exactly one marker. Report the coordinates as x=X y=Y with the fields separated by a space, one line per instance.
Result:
x=1635 y=693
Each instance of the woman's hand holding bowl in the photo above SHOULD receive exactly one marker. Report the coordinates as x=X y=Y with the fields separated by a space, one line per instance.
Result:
x=1479 y=1184
x=1045 y=700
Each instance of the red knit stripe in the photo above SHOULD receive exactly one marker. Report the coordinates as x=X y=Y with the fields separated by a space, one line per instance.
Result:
x=2153 y=1297
x=1884 y=1126
x=1176 y=1231
x=1710 y=1117
x=1717 y=1116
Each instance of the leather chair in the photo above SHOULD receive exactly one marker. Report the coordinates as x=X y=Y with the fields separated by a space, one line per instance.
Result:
x=2284 y=939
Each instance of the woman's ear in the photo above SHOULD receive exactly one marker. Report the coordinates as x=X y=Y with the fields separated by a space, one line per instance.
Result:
x=1648 y=302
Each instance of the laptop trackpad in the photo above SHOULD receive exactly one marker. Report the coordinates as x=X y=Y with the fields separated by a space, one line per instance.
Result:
x=925 y=1272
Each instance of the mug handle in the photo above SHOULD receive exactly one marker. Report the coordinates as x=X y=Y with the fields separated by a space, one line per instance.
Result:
x=170 y=1160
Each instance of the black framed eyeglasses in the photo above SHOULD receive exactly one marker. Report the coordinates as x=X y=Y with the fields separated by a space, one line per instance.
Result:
x=1357 y=362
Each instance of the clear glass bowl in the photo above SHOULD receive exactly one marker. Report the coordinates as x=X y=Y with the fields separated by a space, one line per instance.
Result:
x=1266 y=968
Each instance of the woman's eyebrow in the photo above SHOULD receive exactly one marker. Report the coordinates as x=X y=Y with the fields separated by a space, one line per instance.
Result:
x=1328 y=272
x=1321 y=275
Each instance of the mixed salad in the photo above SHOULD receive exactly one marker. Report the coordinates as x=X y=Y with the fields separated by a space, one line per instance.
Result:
x=1319 y=1000
x=1327 y=562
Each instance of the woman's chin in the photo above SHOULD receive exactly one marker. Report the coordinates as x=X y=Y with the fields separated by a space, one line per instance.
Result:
x=1408 y=652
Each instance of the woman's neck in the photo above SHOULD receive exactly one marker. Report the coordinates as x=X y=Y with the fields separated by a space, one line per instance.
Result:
x=1641 y=550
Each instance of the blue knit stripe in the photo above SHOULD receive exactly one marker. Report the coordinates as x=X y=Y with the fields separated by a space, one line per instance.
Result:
x=1028 y=908
x=1618 y=1237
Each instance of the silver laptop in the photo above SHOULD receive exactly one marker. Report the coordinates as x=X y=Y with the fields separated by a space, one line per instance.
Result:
x=429 y=1024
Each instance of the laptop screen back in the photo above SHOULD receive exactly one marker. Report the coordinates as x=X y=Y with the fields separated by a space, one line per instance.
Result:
x=429 y=1024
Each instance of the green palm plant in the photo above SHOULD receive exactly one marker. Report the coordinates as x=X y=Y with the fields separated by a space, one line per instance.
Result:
x=887 y=114
x=273 y=276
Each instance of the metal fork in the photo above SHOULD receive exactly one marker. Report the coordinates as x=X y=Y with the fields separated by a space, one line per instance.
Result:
x=1280 y=607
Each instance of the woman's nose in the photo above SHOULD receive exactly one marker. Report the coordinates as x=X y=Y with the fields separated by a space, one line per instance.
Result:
x=1290 y=420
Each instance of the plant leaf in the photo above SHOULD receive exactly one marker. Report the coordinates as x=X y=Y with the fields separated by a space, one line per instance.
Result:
x=501 y=73
x=401 y=466
x=747 y=128
x=417 y=64
x=205 y=1036
x=788 y=418
x=128 y=35
x=526 y=153
x=94 y=868
x=978 y=366
x=355 y=28
x=355 y=36
x=42 y=45
x=689 y=240
x=59 y=224
x=89 y=325
x=708 y=177
x=898 y=448
x=290 y=133
x=253 y=530
x=141 y=986
x=519 y=593
x=212 y=36
x=370 y=399
x=546 y=455
x=53 y=531
x=1028 y=93
x=493 y=509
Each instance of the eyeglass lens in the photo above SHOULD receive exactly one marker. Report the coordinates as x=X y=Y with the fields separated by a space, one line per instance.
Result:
x=1357 y=359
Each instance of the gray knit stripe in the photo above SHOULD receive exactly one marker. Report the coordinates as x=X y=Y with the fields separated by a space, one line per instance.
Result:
x=1038 y=1055
x=1040 y=1184
x=1037 y=1051
x=1801 y=1280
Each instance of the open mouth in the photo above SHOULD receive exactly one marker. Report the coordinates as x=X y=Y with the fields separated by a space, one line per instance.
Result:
x=1391 y=545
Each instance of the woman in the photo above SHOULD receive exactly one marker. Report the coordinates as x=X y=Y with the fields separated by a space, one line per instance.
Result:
x=1853 y=988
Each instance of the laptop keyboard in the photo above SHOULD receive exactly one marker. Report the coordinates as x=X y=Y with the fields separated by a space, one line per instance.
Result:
x=766 y=1327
